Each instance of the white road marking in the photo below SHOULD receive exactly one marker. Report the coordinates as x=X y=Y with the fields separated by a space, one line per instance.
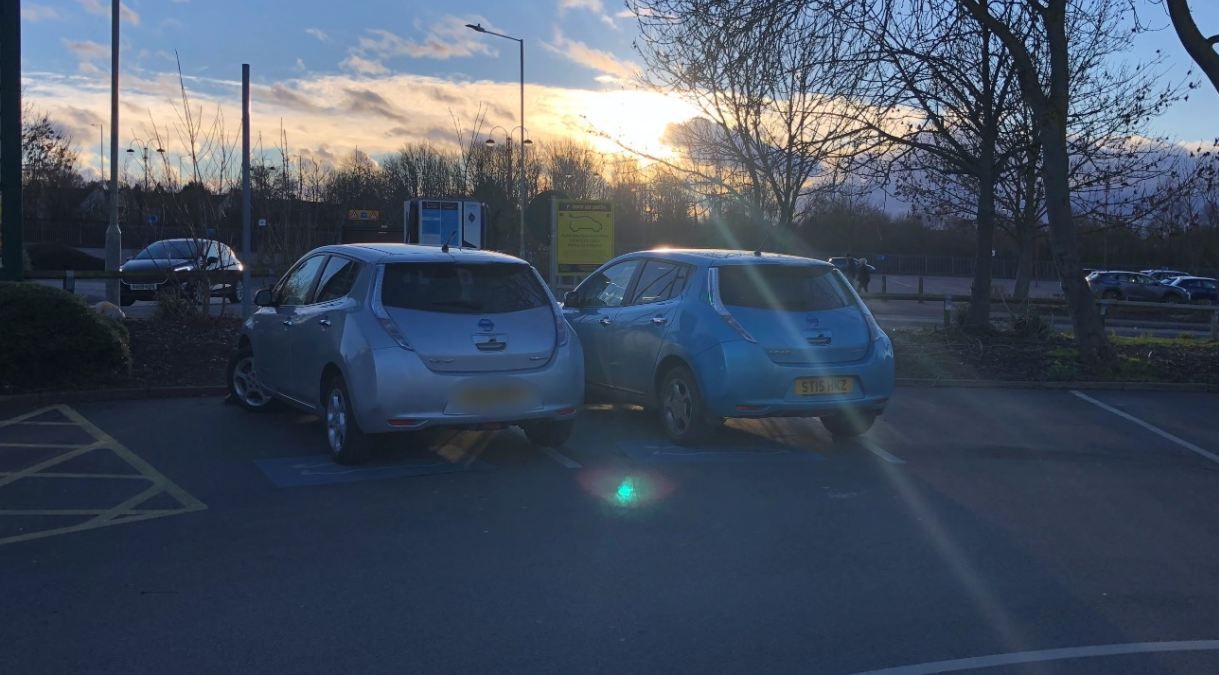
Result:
x=881 y=452
x=1150 y=427
x=1043 y=655
x=559 y=457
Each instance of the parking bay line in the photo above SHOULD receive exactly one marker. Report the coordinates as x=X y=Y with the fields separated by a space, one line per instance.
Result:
x=562 y=459
x=1148 y=426
x=881 y=452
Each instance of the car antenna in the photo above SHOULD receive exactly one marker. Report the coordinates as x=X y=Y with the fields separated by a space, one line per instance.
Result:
x=444 y=248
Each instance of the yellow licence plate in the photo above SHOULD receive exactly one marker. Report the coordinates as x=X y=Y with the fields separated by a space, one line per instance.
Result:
x=824 y=386
x=491 y=397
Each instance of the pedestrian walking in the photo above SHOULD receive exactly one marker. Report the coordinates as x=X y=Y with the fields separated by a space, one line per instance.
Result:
x=864 y=276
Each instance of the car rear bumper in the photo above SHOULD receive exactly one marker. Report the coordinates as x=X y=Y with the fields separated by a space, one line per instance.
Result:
x=738 y=379
x=392 y=390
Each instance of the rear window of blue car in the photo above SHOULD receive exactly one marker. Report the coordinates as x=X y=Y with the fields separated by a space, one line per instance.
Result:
x=481 y=288
x=785 y=288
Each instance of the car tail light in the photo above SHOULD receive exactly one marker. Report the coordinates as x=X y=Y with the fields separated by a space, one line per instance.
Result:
x=713 y=295
x=560 y=326
x=383 y=317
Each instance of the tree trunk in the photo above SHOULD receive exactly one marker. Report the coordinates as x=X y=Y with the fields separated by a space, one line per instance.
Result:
x=1201 y=49
x=979 y=297
x=1026 y=241
x=1094 y=348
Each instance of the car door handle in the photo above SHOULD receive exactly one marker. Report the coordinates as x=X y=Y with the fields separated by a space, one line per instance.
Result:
x=659 y=321
x=606 y=321
x=324 y=322
x=288 y=323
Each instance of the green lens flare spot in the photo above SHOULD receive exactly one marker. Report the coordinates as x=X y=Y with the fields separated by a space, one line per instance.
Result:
x=626 y=495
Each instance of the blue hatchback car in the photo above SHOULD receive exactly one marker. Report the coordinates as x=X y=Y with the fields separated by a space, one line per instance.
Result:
x=704 y=335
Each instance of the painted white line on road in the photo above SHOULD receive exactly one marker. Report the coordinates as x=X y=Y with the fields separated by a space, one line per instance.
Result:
x=1045 y=655
x=1148 y=426
x=881 y=452
x=559 y=457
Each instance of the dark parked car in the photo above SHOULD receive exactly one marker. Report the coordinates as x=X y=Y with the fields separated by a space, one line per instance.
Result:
x=168 y=257
x=1164 y=274
x=1114 y=285
x=1201 y=289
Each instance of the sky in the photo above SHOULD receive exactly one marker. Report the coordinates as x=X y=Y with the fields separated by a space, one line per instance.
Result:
x=375 y=74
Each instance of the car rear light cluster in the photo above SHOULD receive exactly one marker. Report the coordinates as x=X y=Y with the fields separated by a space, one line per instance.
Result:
x=713 y=295
x=383 y=317
x=560 y=326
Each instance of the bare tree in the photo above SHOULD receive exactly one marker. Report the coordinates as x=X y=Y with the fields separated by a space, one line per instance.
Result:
x=765 y=79
x=1046 y=86
x=1200 y=48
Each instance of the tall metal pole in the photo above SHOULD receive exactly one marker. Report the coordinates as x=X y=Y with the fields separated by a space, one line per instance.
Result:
x=521 y=252
x=246 y=307
x=11 y=260
x=101 y=154
x=114 y=234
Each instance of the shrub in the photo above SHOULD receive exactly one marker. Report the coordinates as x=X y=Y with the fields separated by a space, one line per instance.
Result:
x=172 y=305
x=1030 y=324
x=51 y=338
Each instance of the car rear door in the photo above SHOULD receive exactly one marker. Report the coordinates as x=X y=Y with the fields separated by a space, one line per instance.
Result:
x=273 y=326
x=638 y=331
x=600 y=298
x=317 y=332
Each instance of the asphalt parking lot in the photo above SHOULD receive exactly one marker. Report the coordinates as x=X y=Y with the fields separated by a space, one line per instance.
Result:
x=1004 y=530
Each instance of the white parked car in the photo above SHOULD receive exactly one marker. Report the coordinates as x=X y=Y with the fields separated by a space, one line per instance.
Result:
x=379 y=338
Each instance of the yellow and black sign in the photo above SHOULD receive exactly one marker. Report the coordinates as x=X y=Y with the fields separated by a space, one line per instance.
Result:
x=584 y=235
x=363 y=214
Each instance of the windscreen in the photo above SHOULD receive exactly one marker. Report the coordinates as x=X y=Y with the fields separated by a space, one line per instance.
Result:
x=163 y=250
x=783 y=288
x=486 y=288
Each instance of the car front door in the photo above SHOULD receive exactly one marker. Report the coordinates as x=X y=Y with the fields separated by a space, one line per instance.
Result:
x=272 y=331
x=599 y=298
x=317 y=327
x=1145 y=288
x=638 y=331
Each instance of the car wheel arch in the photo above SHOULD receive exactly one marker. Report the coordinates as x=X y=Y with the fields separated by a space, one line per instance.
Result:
x=666 y=364
x=329 y=373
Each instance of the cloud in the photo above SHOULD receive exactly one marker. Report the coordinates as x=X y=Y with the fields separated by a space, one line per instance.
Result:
x=318 y=33
x=34 y=12
x=168 y=24
x=299 y=66
x=360 y=65
x=595 y=59
x=103 y=9
x=362 y=101
x=594 y=6
x=87 y=50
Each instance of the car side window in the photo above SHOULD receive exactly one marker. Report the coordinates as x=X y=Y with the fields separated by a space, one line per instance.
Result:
x=337 y=279
x=608 y=287
x=294 y=288
x=660 y=280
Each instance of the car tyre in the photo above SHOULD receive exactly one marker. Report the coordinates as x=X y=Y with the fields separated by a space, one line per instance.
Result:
x=548 y=433
x=681 y=408
x=344 y=439
x=849 y=424
x=244 y=388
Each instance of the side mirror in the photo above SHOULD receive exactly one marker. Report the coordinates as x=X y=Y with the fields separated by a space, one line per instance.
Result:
x=212 y=260
x=263 y=298
x=571 y=299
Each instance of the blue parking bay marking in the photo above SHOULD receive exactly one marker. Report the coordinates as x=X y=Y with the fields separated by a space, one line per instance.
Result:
x=313 y=470
x=660 y=452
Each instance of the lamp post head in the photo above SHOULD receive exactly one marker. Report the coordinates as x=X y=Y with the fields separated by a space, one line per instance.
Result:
x=476 y=27
x=161 y=150
x=131 y=150
x=489 y=142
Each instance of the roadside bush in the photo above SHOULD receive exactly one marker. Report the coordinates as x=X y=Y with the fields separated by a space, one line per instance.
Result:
x=173 y=306
x=51 y=338
x=1030 y=324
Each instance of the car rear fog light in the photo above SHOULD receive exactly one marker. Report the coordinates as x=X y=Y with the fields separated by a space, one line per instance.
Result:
x=405 y=423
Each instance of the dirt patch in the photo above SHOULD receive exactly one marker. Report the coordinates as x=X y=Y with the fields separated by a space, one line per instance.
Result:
x=192 y=352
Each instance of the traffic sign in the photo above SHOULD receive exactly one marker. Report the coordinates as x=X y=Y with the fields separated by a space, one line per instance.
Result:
x=584 y=235
x=262 y=222
x=152 y=219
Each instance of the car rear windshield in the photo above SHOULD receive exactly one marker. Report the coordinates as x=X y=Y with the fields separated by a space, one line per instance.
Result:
x=470 y=288
x=783 y=287
x=164 y=250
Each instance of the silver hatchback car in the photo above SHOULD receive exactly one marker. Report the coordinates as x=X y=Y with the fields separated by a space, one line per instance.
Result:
x=379 y=338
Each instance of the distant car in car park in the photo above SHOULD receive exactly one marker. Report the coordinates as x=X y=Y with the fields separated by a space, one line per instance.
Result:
x=379 y=338
x=1200 y=289
x=704 y=335
x=1133 y=286
x=160 y=262
x=1164 y=274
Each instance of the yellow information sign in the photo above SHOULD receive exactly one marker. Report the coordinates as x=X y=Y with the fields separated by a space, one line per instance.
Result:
x=584 y=235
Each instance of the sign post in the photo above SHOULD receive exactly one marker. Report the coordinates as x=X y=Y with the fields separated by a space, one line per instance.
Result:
x=10 y=139
x=582 y=236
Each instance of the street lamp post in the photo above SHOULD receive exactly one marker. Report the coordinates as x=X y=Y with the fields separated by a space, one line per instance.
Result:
x=521 y=43
x=114 y=233
x=144 y=147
